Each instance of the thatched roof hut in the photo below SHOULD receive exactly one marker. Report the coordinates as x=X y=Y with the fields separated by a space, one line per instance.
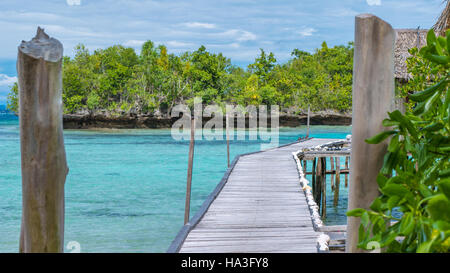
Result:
x=407 y=39
x=443 y=22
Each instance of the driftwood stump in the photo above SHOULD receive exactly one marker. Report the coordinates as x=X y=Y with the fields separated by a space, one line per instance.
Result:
x=44 y=166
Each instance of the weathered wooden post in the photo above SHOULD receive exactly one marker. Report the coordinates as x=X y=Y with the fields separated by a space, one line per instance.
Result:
x=338 y=181
x=346 y=175
x=373 y=97
x=307 y=123
x=44 y=166
x=332 y=173
x=187 y=206
x=228 y=139
x=323 y=186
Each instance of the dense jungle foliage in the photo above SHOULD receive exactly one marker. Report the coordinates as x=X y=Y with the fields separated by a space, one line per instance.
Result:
x=119 y=80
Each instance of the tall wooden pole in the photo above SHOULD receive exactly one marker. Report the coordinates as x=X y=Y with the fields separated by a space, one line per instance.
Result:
x=323 y=186
x=332 y=174
x=338 y=181
x=228 y=139
x=44 y=166
x=373 y=97
x=346 y=175
x=187 y=207
x=307 y=123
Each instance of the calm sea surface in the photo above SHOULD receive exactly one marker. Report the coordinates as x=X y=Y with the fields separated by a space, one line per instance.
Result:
x=125 y=190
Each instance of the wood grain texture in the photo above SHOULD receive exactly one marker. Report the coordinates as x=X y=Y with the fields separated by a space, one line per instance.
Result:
x=43 y=157
x=373 y=97
x=259 y=208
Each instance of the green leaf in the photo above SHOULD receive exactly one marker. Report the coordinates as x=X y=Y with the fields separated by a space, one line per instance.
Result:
x=365 y=219
x=444 y=173
x=388 y=237
x=389 y=123
x=425 y=247
x=393 y=201
x=434 y=127
x=356 y=212
x=431 y=37
x=423 y=95
x=394 y=144
x=444 y=186
x=447 y=36
x=438 y=207
x=381 y=180
x=430 y=103
x=441 y=225
x=406 y=224
x=438 y=59
x=394 y=190
x=442 y=41
x=397 y=116
x=380 y=137
x=438 y=47
x=425 y=191
x=376 y=205
x=419 y=108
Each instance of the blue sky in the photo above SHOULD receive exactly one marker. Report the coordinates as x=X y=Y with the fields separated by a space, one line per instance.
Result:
x=237 y=28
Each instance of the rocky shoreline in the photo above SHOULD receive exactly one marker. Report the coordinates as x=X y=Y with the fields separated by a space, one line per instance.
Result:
x=151 y=121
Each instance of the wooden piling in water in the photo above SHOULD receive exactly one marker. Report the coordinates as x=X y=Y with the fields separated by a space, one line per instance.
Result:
x=313 y=177
x=44 y=166
x=346 y=175
x=228 y=139
x=323 y=187
x=332 y=173
x=307 y=123
x=338 y=181
x=187 y=207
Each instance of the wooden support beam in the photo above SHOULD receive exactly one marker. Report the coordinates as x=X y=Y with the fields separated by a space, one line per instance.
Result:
x=338 y=181
x=313 y=176
x=187 y=206
x=373 y=96
x=332 y=173
x=318 y=192
x=324 y=187
x=44 y=166
x=228 y=139
x=342 y=171
x=346 y=174
x=307 y=123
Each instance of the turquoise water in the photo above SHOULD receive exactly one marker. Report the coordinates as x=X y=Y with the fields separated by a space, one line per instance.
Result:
x=125 y=191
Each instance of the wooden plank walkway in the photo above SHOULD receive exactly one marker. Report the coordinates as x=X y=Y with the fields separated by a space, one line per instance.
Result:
x=258 y=207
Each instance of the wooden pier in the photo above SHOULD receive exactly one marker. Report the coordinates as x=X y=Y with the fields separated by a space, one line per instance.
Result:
x=258 y=206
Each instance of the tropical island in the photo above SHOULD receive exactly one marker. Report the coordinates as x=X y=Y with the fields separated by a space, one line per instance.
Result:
x=118 y=88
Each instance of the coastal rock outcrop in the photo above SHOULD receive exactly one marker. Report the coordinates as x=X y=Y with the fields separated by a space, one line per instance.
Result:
x=105 y=119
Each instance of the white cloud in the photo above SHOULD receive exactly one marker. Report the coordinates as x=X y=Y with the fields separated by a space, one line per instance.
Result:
x=246 y=36
x=199 y=25
x=373 y=2
x=73 y=2
x=6 y=80
x=308 y=31
x=177 y=44
x=134 y=43
x=238 y=35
